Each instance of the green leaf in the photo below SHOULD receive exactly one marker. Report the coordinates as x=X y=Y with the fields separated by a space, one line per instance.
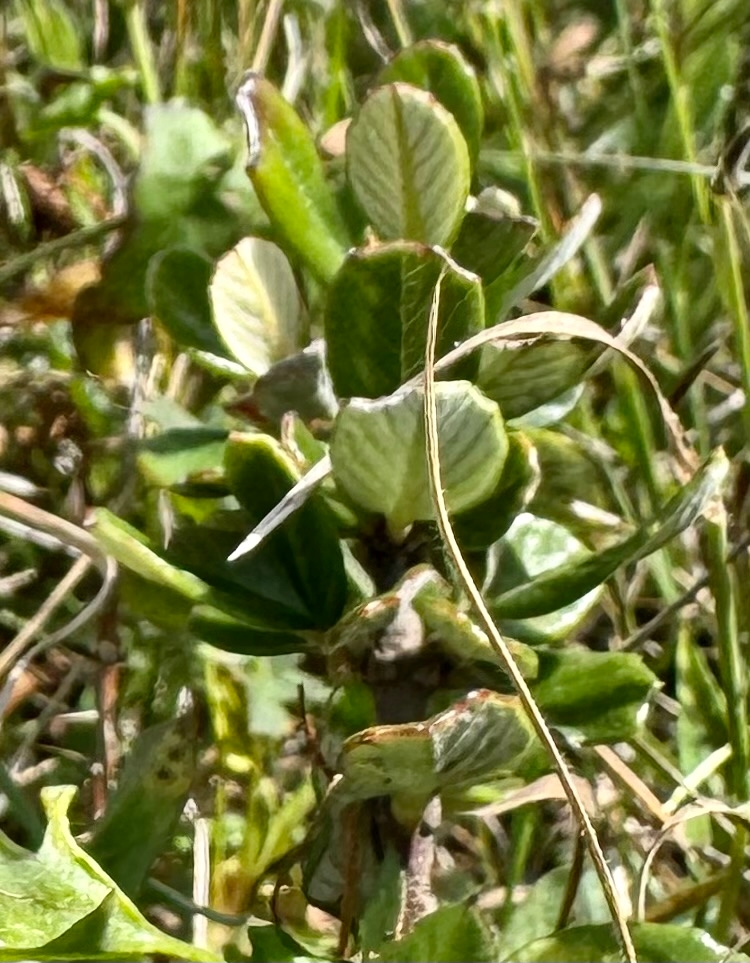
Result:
x=379 y=460
x=479 y=527
x=522 y=377
x=408 y=165
x=481 y=736
x=287 y=174
x=51 y=33
x=58 y=904
x=702 y=722
x=570 y=475
x=255 y=304
x=556 y=588
x=441 y=69
x=307 y=546
x=172 y=457
x=300 y=383
x=377 y=312
x=380 y=914
x=259 y=598
x=415 y=615
x=530 y=548
x=225 y=631
x=177 y=289
x=593 y=696
x=272 y=945
x=654 y=943
x=453 y=934
x=490 y=240
x=143 y=812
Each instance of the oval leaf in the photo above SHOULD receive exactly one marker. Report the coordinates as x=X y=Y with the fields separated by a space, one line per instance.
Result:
x=408 y=165
x=482 y=735
x=379 y=460
x=256 y=305
x=377 y=312
x=593 y=696
x=441 y=69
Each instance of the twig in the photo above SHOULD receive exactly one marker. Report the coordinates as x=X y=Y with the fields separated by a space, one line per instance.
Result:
x=499 y=644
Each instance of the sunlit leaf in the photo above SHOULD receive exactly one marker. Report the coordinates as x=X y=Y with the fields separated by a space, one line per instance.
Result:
x=654 y=943
x=255 y=304
x=378 y=451
x=441 y=69
x=408 y=165
x=58 y=904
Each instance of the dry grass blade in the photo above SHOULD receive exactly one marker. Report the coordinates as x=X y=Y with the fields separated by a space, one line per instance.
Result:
x=561 y=325
x=708 y=807
x=79 y=540
x=486 y=621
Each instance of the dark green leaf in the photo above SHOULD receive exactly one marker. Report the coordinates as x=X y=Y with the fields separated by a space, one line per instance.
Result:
x=300 y=383
x=260 y=474
x=593 y=696
x=479 y=527
x=142 y=814
x=177 y=289
x=377 y=312
x=490 y=240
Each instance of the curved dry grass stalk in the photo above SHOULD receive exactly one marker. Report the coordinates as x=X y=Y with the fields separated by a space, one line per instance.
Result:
x=84 y=545
x=486 y=621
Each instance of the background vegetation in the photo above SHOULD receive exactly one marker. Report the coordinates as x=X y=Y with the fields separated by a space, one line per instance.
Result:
x=322 y=749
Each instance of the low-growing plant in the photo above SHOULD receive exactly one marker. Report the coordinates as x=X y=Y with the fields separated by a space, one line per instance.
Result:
x=382 y=501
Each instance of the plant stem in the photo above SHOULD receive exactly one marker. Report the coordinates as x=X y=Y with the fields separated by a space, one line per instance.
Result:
x=734 y=684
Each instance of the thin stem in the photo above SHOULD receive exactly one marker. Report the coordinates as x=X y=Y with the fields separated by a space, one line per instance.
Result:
x=143 y=54
x=400 y=23
x=734 y=684
x=738 y=306
x=499 y=644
